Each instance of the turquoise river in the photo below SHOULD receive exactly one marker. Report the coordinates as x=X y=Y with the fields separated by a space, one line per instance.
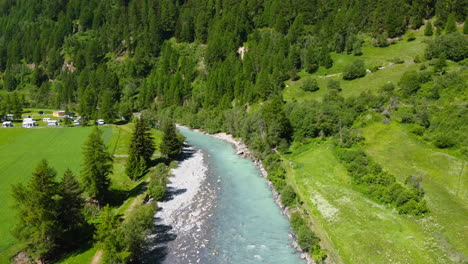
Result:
x=230 y=218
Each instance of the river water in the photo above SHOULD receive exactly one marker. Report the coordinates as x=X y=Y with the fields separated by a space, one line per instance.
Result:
x=221 y=211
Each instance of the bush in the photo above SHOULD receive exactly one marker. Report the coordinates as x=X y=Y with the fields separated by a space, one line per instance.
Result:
x=334 y=85
x=425 y=77
x=411 y=37
x=310 y=85
x=428 y=31
x=306 y=238
x=288 y=195
x=454 y=45
x=409 y=83
x=444 y=140
x=158 y=191
x=417 y=59
x=398 y=61
x=354 y=70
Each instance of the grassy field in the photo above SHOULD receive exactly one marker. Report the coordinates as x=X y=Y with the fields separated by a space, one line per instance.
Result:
x=20 y=151
x=445 y=181
x=356 y=229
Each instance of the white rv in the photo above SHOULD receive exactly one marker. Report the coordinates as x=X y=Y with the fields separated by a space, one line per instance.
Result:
x=29 y=122
x=52 y=123
x=7 y=124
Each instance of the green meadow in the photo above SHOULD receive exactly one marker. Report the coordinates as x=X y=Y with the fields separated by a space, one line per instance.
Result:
x=354 y=228
x=21 y=149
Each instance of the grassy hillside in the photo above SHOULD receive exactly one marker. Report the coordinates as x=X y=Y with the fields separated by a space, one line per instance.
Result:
x=354 y=228
x=20 y=151
x=445 y=180
x=358 y=229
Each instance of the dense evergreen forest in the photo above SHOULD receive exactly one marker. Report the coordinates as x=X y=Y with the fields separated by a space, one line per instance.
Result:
x=221 y=65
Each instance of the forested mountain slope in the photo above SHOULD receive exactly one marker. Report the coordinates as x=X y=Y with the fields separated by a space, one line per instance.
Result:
x=345 y=102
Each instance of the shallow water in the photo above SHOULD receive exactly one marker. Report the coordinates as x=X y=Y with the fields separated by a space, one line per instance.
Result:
x=241 y=222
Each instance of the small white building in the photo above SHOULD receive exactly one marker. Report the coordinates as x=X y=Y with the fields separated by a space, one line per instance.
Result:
x=7 y=124
x=52 y=123
x=29 y=122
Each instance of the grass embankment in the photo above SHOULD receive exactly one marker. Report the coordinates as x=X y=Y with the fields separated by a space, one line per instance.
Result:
x=354 y=228
x=20 y=151
x=445 y=181
x=360 y=230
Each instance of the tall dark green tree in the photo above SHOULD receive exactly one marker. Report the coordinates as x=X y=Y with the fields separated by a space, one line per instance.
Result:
x=37 y=204
x=172 y=144
x=97 y=166
x=428 y=31
x=140 y=151
x=451 y=25
x=71 y=205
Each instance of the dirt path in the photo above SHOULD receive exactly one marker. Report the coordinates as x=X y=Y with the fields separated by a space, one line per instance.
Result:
x=97 y=257
x=136 y=200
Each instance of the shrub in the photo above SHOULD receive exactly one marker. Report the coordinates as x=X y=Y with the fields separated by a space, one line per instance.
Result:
x=425 y=77
x=310 y=85
x=454 y=45
x=306 y=238
x=354 y=70
x=288 y=195
x=409 y=83
x=444 y=140
x=398 y=61
x=158 y=191
x=411 y=37
x=334 y=85
x=428 y=31
x=417 y=59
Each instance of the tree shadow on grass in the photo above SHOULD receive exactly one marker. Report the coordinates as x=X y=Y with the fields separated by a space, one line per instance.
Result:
x=117 y=197
x=65 y=253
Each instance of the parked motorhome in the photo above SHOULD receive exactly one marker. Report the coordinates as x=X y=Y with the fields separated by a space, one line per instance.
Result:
x=52 y=123
x=7 y=124
x=29 y=122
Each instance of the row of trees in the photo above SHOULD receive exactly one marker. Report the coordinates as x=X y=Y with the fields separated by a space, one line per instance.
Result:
x=50 y=212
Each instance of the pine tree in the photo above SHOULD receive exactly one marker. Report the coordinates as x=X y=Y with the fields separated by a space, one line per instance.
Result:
x=428 y=31
x=451 y=25
x=37 y=206
x=70 y=210
x=141 y=150
x=440 y=63
x=171 y=145
x=96 y=167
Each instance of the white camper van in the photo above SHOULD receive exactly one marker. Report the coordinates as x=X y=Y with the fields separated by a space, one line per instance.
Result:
x=7 y=124
x=29 y=122
x=52 y=123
